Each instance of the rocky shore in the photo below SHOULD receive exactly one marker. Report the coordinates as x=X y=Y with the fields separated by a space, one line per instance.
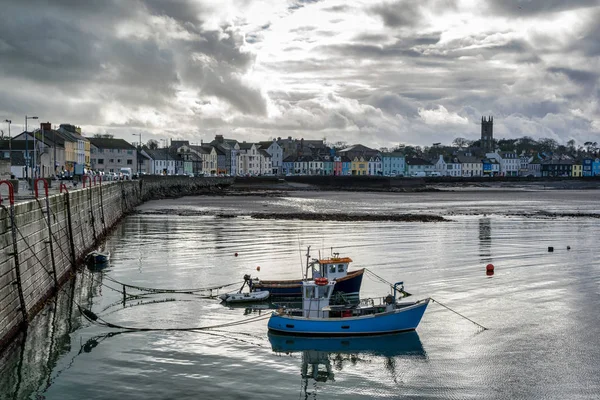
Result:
x=352 y=217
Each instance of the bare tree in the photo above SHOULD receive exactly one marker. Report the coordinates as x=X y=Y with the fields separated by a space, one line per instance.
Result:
x=152 y=144
x=104 y=136
x=461 y=142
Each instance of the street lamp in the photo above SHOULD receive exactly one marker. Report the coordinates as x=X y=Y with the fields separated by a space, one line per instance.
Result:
x=136 y=155
x=9 y=145
x=27 y=148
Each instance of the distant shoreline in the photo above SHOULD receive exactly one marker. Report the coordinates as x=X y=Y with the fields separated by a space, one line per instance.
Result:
x=279 y=185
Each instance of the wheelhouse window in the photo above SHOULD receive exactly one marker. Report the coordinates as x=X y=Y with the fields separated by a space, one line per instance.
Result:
x=332 y=268
x=341 y=267
x=309 y=292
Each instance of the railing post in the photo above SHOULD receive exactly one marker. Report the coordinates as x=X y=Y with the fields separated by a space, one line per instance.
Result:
x=11 y=197
x=48 y=215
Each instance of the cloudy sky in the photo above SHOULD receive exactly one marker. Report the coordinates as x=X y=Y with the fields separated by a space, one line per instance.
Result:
x=368 y=71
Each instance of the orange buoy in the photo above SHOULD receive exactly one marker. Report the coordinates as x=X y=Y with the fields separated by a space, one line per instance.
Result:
x=489 y=268
x=258 y=268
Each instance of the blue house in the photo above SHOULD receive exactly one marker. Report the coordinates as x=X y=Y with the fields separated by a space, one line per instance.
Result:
x=596 y=167
x=287 y=165
x=346 y=166
x=587 y=167
x=393 y=164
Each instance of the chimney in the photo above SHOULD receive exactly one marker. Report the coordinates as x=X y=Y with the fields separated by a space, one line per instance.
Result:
x=46 y=126
x=219 y=138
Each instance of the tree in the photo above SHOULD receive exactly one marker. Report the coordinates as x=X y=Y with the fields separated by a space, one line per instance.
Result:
x=461 y=142
x=547 y=144
x=152 y=144
x=104 y=136
x=571 y=146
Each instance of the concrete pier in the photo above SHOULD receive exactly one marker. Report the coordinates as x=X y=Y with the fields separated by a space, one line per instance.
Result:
x=36 y=257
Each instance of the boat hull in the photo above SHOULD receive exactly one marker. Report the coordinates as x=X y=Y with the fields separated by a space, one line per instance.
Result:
x=399 y=320
x=348 y=285
x=385 y=345
x=246 y=297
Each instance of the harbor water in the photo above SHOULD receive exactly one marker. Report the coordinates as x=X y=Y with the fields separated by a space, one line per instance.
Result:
x=540 y=307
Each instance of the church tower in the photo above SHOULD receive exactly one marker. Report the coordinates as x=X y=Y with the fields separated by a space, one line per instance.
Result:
x=487 y=134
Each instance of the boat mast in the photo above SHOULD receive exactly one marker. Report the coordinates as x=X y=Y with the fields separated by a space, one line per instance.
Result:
x=307 y=262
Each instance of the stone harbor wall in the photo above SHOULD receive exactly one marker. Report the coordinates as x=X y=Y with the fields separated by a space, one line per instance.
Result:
x=42 y=240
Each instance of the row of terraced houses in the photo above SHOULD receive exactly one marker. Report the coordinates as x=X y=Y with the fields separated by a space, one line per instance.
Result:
x=66 y=151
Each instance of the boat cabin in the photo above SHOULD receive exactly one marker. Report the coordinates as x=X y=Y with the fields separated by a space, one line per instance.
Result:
x=315 y=297
x=333 y=268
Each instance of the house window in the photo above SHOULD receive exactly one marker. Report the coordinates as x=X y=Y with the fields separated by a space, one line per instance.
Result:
x=129 y=162
x=112 y=160
x=119 y=160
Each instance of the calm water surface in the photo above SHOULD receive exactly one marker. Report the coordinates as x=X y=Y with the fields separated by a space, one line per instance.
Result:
x=541 y=308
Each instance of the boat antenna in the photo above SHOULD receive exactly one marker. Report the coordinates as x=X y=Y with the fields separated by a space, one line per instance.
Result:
x=300 y=255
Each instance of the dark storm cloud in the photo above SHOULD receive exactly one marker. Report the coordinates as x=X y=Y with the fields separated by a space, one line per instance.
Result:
x=589 y=43
x=370 y=51
x=393 y=104
x=73 y=45
x=408 y=13
x=531 y=8
x=180 y=10
x=398 y=14
x=581 y=77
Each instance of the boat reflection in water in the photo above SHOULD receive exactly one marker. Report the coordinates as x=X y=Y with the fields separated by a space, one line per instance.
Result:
x=319 y=353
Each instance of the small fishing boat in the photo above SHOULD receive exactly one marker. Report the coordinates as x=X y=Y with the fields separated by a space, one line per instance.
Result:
x=335 y=268
x=248 y=297
x=318 y=318
x=245 y=297
x=97 y=258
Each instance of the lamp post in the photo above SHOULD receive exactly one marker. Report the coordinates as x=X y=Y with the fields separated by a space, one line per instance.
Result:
x=136 y=155
x=9 y=145
x=27 y=149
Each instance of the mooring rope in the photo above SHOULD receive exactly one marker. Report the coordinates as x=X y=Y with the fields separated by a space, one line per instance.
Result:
x=183 y=291
x=459 y=314
x=93 y=318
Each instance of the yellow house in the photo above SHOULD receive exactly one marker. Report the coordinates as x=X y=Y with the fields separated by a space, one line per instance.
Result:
x=577 y=169
x=86 y=149
x=359 y=166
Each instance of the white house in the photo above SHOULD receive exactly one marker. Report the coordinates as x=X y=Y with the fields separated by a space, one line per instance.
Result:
x=509 y=162
x=453 y=167
x=249 y=159
x=160 y=162
x=440 y=166
x=375 y=166
x=276 y=153
x=470 y=165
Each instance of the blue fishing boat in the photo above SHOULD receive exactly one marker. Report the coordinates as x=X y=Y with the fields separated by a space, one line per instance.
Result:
x=334 y=268
x=319 y=318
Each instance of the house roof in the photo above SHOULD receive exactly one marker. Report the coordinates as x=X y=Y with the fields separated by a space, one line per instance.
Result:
x=245 y=146
x=266 y=144
x=417 y=161
x=463 y=159
x=264 y=153
x=158 y=154
x=392 y=154
x=107 y=143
